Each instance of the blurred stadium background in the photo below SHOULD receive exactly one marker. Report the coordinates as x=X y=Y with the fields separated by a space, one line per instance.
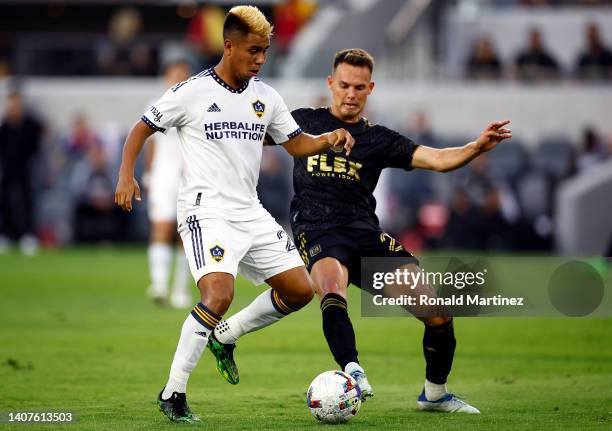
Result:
x=85 y=70
x=76 y=332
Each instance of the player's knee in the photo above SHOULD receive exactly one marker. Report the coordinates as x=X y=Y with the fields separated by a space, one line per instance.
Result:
x=301 y=294
x=330 y=285
x=218 y=300
x=216 y=295
x=305 y=292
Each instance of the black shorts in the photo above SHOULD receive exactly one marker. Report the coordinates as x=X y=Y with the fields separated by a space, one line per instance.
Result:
x=348 y=246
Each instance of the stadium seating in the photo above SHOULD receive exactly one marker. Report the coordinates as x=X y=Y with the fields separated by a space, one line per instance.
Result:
x=554 y=156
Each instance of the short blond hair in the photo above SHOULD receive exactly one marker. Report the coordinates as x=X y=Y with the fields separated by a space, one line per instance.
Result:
x=246 y=19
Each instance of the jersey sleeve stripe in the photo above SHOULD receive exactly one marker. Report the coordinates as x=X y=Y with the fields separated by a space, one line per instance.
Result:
x=151 y=125
x=294 y=133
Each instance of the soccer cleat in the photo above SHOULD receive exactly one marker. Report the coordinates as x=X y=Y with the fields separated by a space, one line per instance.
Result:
x=449 y=403
x=224 y=353
x=357 y=372
x=176 y=408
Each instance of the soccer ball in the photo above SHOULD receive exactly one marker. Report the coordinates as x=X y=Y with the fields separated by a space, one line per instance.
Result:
x=333 y=397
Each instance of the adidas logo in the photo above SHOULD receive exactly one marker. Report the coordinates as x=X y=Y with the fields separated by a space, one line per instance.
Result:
x=213 y=108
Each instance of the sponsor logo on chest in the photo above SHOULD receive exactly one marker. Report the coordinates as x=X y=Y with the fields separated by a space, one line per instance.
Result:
x=329 y=165
x=237 y=130
x=242 y=130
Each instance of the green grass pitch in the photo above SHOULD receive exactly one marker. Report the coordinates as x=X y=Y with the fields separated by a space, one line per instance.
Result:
x=77 y=334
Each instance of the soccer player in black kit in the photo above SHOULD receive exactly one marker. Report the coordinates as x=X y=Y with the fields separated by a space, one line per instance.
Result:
x=334 y=224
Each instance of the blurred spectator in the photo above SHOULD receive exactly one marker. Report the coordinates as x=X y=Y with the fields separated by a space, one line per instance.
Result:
x=483 y=62
x=595 y=62
x=20 y=136
x=535 y=63
x=487 y=216
x=591 y=152
x=205 y=35
x=420 y=131
x=274 y=188
x=477 y=183
x=124 y=52
x=96 y=217
x=411 y=190
x=463 y=223
x=80 y=138
x=289 y=17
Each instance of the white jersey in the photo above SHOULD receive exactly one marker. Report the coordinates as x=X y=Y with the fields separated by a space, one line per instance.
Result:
x=221 y=132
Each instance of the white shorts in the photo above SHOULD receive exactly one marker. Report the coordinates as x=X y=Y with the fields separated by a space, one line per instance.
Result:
x=258 y=249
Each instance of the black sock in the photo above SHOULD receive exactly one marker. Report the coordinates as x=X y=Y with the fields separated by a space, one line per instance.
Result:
x=439 y=348
x=338 y=329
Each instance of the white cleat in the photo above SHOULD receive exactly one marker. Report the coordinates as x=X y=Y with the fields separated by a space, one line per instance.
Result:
x=356 y=371
x=449 y=403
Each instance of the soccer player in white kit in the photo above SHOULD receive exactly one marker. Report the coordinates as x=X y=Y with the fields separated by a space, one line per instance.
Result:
x=164 y=169
x=221 y=116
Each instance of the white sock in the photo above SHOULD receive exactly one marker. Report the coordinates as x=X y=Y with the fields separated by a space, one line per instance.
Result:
x=194 y=337
x=181 y=273
x=434 y=391
x=258 y=314
x=160 y=259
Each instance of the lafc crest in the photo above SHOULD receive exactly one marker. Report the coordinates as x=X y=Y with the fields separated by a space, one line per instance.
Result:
x=259 y=108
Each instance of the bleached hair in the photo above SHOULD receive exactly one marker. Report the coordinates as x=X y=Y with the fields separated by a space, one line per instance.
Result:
x=252 y=18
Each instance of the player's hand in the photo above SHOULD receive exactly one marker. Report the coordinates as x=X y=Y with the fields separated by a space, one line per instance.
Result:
x=340 y=139
x=127 y=188
x=493 y=135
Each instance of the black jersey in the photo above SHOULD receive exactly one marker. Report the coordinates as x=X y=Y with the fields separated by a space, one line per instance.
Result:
x=333 y=190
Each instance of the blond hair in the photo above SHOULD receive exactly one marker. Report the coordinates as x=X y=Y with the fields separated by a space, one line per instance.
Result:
x=247 y=19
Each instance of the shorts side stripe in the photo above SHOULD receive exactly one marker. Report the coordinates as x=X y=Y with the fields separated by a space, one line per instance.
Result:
x=196 y=255
x=199 y=231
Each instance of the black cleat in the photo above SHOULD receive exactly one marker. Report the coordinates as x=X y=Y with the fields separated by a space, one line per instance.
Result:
x=176 y=408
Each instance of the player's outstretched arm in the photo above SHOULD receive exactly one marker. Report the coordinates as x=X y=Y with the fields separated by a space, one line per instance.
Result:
x=304 y=145
x=127 y=186
x=448 y=159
